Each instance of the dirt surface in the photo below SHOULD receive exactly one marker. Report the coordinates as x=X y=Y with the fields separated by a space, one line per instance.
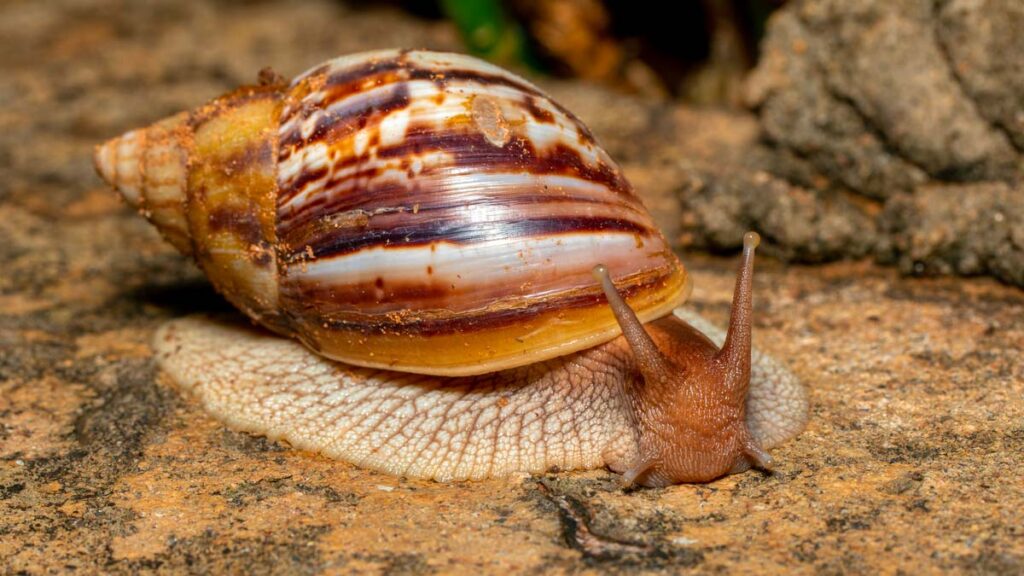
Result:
x=911 y=462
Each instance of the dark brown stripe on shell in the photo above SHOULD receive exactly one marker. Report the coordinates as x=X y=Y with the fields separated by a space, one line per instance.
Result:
x=348 y=240
x=443 y=77
x=242 y=222
x=344 y=83
x=473 y=149
x=468 y=323
x=375 y=74
x=379 y=72
x=334 y=124
x=539 y=114
x=351 y=80
x=485 y=79
x=358 y=296
x=257 y=155
x=305 y=176
x=428 y=196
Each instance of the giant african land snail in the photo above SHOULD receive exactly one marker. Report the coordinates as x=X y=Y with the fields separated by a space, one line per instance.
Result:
x=449 y=229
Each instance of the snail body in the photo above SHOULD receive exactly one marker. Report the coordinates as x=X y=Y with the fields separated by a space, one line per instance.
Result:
x=428 y=226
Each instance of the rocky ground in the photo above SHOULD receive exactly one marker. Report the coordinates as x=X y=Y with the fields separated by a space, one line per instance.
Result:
x=914 y=111
x=911 y=461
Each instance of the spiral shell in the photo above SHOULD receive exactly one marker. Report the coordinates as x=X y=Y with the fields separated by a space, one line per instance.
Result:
x=410 y=210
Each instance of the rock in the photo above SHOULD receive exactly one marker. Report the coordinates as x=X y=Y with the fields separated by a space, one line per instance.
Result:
x=970 y=229
x=797 y=223
x=874 y=75
x=800 y=115
x=984 y=45
x=904 y=103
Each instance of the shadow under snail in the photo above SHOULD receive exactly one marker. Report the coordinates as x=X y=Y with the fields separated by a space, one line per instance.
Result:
x=442 y=238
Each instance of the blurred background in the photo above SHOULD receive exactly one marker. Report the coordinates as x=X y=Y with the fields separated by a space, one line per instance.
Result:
x=697 y=51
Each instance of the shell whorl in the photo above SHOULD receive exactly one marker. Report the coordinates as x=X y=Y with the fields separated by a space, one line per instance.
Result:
x=412 y=210
x=149 y=168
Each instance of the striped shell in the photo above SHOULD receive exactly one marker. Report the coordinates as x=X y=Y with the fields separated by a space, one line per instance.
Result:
x=411 y=210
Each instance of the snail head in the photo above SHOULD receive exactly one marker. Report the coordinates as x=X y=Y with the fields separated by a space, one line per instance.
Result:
x=688 y=397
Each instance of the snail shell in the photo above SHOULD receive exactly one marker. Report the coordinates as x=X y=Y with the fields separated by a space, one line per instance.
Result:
x=410 y=210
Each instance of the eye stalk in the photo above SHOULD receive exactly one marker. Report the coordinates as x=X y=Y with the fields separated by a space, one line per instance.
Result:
x=689 y=400
x=653 y=364
x=735 y=352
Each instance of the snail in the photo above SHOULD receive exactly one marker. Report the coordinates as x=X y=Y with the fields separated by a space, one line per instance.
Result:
x=455 y=278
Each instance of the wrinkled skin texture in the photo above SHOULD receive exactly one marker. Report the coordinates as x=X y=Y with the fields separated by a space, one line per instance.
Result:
x=566 y=413
x=691 y=429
